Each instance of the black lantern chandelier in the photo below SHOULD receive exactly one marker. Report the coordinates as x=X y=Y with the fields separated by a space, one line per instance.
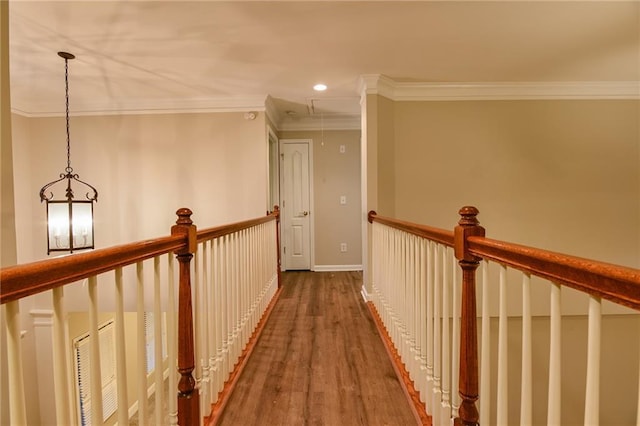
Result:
x=69 y=221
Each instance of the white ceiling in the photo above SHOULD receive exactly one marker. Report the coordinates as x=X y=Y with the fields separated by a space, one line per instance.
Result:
x=212 y=55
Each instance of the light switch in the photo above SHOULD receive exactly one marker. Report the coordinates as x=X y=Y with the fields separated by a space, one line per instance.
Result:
x=343 y=149
x=343 y=199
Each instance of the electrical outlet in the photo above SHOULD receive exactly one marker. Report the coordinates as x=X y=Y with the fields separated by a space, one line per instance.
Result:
x=343 y=247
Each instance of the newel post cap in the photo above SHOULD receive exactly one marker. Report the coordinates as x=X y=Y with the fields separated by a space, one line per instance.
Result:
x=184 y=216
x=184 y=226
x=468 y=226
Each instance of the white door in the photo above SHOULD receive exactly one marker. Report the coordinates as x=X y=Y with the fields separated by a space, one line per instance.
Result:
x=296 y=215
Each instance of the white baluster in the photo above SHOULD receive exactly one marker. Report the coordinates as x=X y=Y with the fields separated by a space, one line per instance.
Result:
x=249 y=285
x=253 y=282
x=430 y=285
x=395 y=296
x=446 y=355
x=384 y=285
x=555 y=353
x=407 y=304
x=218 y=313
x=197 y=294
x=244 y=287
x=592 y=398
x=388 y=279
x=228 y=300
x=638 y=404
x=157 y=331
x=121 y=355
x=375 y=266
x=437 y=334
x=141 y=347
x=391 y=295
x=60 y=372
x=211 y=320
x=236 y=299
x=232 y=301
x=17 y=407
x=240 y=294
x=205 y=393
x=172 y=342
x=502 y=392
x=417 y=327
x=94 y=354
x=455 y=344
x=485 y=357
x=423 y=320
x=526 y=390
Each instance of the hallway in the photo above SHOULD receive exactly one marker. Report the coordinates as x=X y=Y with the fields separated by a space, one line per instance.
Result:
x=319 y=361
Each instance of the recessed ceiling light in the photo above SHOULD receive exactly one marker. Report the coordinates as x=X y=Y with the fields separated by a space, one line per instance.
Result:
x=320 y=87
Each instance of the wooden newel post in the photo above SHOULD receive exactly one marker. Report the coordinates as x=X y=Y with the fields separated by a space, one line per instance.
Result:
x=188 y=396
x=468 y=226
x=276 y=210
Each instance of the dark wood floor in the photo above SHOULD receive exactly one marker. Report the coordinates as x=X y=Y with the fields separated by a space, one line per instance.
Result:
x=319 y=361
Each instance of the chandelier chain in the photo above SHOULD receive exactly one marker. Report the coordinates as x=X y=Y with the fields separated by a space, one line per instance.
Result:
x=66 y=85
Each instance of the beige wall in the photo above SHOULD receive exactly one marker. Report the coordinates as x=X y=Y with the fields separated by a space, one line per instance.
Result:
x=542 y=173
x=8 y=251
x=560 y=175
x=7 y=226
x=335 y=174
x=388 y=166
x=7 y=218
x=618 y=386
x=145 y=167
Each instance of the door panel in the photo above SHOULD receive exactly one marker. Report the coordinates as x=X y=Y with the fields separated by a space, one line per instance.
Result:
x=296 y=205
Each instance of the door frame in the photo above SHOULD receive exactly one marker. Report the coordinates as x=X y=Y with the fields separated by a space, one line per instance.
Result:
x=312 y=213
x=273 y=193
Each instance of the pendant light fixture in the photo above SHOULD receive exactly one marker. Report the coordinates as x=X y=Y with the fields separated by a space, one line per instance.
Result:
x=69 y=221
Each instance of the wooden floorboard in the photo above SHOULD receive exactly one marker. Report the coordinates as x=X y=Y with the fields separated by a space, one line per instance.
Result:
x=319 y=361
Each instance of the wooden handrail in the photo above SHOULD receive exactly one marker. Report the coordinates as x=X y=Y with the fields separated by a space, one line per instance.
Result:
x=31 y=278
x=436 y=234
x=615 y=283
x=220 y=231
x=618 y=284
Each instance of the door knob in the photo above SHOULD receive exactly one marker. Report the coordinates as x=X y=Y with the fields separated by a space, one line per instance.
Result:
x=305 y=213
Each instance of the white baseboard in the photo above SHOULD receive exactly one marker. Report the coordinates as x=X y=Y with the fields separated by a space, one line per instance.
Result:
x=365 y=294
x=336 y=268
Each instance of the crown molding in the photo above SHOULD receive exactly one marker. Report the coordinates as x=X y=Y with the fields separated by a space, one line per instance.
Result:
x=145 y=106
x=377 y=84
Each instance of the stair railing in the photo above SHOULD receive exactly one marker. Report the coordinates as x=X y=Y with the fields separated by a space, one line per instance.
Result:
x=427 y=302
x=236 y=278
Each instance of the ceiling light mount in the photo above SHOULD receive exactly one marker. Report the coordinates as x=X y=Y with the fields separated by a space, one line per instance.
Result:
x=66 y=55
x=320 y=87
